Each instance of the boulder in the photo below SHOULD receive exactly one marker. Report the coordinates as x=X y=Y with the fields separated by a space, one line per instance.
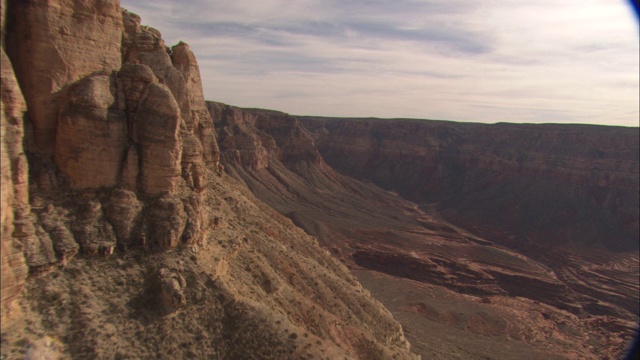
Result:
x=171 y=290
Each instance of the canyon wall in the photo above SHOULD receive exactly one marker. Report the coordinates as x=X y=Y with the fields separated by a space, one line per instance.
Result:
x=559 y=185
x=509 y=185
x=15 y=225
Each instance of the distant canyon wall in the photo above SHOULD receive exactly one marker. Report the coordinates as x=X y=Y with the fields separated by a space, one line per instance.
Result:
x=578 y=182
x=253 y=138
x=572 y=186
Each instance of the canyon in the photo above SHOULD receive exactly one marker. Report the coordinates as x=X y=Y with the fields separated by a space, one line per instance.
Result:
x=482 y=229
x=141 y=221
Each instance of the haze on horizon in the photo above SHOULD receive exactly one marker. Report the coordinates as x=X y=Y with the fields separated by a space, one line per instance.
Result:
x=540 y=61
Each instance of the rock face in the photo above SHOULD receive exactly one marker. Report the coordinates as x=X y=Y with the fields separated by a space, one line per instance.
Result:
x=113 y=128
x=200 y=121
x=109 y=118
x=178 y=69
x=239 y=140
x=16 y=225
x=123 y=210
x=91 y=135
x=156 y=128
x=578 y=181
x=96 y=126
x=110 y=169
x=52 y=45
x=166 y=222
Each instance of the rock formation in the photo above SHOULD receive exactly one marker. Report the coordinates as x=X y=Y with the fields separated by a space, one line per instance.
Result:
x=109 y=118
x=124 y=237
x=52 y=45
x=240 y=140
x=111 y=185
x=16 y=225
x=91 y=135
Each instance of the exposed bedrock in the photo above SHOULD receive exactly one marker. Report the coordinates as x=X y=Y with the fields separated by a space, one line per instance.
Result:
x=53 y=44
x=16 y=226
x=106 y=124
x=110 y=171
x=91 y=137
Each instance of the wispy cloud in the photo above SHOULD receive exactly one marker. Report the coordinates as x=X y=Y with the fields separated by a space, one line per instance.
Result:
x=497 y=60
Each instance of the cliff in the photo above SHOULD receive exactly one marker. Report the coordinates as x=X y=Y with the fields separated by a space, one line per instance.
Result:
x=122 y=237
x=579 y=182
x=486 y=275
x=104 y=134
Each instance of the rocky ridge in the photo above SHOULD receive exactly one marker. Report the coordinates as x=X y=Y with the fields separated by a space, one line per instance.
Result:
x=111 y=183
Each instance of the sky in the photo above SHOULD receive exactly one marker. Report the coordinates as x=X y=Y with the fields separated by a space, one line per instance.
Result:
x=534 y=61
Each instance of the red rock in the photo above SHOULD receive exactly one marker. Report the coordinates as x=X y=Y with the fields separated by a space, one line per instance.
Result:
x=155 y=129
x=91 y=137
x=53 y=44
x=15 y=226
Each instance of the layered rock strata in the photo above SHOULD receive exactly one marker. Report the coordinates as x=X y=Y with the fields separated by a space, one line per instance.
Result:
x=376 y=231
x=54 y=44
x=579 y=182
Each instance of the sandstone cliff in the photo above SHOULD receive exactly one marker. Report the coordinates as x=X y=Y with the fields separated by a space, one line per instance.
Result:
x=121 y=236
x=104 y=131
x=16 y=223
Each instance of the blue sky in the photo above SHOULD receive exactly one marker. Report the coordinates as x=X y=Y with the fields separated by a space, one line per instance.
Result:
x=538 y=61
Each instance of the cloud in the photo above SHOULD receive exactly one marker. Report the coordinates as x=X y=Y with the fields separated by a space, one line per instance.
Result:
x=496 y=60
